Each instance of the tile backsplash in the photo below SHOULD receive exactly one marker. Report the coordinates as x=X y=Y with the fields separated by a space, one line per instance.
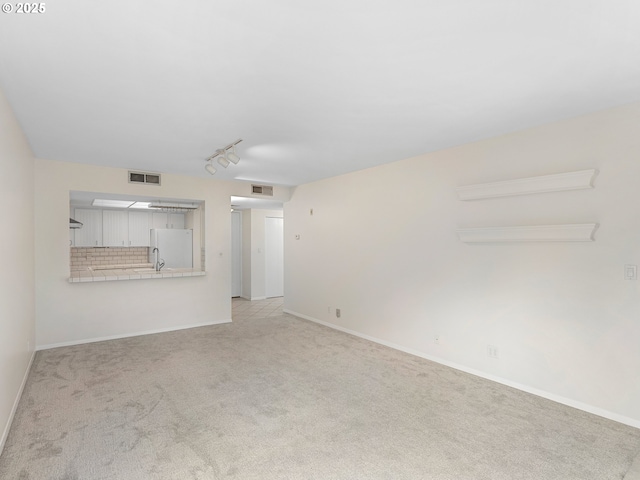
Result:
x=84 y=257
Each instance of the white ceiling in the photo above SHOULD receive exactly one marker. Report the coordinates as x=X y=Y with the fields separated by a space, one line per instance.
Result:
x=314 y=88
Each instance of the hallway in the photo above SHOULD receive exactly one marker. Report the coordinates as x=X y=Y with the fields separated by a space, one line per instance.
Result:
x=243 y=309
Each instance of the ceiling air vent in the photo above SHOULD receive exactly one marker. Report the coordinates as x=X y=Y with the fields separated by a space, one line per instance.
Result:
x=262 y=190
x=141 y=177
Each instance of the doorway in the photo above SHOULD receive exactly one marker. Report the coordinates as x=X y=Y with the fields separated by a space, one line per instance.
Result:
x=257 y=250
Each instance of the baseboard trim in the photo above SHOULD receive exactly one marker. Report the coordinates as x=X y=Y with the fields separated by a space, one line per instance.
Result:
x=127 y=335
x=525 y=388
x=7 y=427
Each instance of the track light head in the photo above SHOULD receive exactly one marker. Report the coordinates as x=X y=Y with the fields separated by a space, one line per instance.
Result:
x=222 y=158
x=210 y=168
x=232 y=156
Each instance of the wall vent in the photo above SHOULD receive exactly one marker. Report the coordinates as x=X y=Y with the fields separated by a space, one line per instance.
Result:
x=142 y=177
x=262 y=190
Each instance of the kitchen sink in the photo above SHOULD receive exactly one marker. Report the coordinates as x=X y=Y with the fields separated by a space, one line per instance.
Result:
x=151 y=270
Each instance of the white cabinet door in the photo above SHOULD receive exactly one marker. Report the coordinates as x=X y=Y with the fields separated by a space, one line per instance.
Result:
x=168 y=220
x=90 y=235
x=176 y=220
x=159 y=220
x=139 y=227
x=115 y=228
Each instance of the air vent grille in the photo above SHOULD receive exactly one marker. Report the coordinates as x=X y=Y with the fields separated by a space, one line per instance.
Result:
x=142 y=177
x=262 y=190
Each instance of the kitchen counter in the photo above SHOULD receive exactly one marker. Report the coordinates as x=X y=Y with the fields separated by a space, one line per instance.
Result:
x=130 y=272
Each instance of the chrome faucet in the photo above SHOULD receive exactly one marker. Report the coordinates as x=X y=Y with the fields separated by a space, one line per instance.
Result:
x=159 y=262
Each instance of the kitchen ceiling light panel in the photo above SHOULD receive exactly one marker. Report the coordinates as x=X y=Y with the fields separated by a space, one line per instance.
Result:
x=140 y=205
x=102 y=202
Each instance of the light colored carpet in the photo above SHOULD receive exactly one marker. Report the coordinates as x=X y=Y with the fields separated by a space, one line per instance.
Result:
x=283 y=398
x=634 y=471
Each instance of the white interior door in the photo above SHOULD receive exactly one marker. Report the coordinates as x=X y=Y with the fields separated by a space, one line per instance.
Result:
x=236 y=254
x=274 y=256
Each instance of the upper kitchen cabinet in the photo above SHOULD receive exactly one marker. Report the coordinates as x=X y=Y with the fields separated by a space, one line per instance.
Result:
x=115 y=228
x=176 y=220
x=90 y=235
x=167 y=220
x=139 y=226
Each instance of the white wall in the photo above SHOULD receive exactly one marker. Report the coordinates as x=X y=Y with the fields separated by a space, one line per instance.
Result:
x=72 y=313
x=253 y=252
x=381 y=245
x=17 y=290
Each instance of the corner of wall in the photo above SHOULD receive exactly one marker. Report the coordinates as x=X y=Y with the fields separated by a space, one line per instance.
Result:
x=17 y=277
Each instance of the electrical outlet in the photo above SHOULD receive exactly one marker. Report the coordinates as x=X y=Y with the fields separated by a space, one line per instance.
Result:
x=492 y=351
x=437 y=340
x=337 y=313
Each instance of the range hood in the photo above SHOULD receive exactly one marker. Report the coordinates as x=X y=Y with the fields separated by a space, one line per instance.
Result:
x=74 y=223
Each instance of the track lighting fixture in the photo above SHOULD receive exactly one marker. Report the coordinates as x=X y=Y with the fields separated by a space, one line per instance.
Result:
x=232 y=156
x=223 y=157
x=209 y=167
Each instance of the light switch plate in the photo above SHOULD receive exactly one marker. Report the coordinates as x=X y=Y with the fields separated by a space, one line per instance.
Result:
x=630 y=272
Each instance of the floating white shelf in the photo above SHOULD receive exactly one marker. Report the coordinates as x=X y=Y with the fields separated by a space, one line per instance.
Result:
x=525 y=186
x=581 y=232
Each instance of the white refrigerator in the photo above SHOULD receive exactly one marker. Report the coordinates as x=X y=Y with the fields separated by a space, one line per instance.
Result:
x=173 y=246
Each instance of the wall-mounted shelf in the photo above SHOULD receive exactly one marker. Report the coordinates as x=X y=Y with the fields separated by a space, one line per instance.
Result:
x=582 y=232
x=525 y=186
